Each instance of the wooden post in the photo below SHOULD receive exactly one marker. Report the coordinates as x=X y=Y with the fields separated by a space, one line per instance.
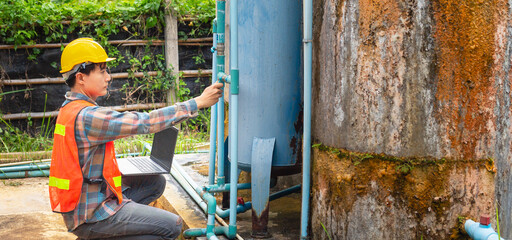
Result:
x=171 y=49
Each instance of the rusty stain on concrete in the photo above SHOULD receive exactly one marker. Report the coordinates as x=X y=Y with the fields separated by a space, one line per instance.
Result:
x=464 y=33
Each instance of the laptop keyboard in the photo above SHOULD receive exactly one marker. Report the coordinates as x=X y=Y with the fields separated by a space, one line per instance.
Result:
x=143 y=165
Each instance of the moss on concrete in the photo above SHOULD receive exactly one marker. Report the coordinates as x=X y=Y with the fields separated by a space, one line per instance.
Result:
x=417 y=184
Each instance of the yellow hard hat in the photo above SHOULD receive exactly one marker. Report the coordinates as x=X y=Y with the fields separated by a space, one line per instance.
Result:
x=82 y=50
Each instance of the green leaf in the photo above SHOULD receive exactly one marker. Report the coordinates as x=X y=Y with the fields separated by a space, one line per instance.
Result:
x=151 y=22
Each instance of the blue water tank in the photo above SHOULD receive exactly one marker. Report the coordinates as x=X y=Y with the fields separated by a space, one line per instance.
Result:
x=271 y=82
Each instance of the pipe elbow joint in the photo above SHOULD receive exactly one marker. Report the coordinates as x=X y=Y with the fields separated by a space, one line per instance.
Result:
x=231 y=231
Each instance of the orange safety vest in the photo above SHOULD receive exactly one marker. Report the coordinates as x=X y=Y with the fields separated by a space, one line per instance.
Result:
x=66 y=176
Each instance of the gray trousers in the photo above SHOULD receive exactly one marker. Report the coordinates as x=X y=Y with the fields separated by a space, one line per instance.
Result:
x=136 y=220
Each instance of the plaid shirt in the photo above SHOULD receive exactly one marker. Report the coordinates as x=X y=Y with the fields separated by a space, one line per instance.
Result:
x=94 y=127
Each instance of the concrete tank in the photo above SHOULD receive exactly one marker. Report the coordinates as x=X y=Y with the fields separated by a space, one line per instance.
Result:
x=271 y=82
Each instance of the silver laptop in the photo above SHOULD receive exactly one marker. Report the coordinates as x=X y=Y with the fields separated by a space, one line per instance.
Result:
x=160 y=160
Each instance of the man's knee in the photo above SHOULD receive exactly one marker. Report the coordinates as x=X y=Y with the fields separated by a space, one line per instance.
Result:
x=177 y=226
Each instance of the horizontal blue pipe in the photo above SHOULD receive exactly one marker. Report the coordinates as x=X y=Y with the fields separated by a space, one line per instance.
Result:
x=295 y=189
x=285 y=192
x=225 y=187
x=198 y=232
x=120 y=155
x=194 y=232
x=24 y=174
x=196 y=151
x=25 y=163
x=25 y=168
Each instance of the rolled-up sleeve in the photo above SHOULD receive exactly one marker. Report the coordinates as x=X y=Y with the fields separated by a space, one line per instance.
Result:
x=102 y=124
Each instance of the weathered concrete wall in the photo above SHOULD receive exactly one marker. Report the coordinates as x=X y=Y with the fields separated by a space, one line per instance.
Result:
x=412 y=81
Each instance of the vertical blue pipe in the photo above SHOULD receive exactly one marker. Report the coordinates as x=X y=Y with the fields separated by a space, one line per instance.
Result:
x=210 y=226
x=213 y=135
x=220 y=140
x=233 y=38
x=233 y=120
x=221 y=7
x=306 y=165
x=213 y=111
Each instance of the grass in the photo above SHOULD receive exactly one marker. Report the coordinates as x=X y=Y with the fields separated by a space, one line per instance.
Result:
x=12 y=183
x=12 y=139
x=325 y=230
x=132 y=144
x=497 y=221
x=135 y=144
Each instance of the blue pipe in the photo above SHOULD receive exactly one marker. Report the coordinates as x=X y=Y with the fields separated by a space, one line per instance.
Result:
x=198 y=232
x=220 y=140
x=274 y=196
x=478 y=231
x=221 y=8
x=120 y=155
x=213 y=111
x=196 y=151
x=24 y=174
x=233 y=120
x=240 y=208
x=194 y=232
x=30 y=167
x=226 y=187
x=212 y=207
x=306 y=164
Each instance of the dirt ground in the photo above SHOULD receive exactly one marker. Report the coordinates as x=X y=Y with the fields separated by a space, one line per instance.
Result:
x=25 y=211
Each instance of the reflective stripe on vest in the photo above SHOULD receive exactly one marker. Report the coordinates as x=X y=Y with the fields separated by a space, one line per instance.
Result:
x=117 y=181
x=60 y=129
x=59 y=183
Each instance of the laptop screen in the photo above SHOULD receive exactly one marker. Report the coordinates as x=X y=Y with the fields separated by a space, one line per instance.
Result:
x=164 y=143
